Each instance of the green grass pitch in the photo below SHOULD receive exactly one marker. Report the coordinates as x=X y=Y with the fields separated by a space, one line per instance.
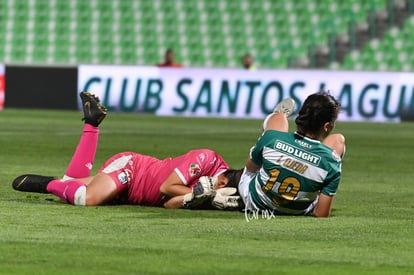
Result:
x=371 y=230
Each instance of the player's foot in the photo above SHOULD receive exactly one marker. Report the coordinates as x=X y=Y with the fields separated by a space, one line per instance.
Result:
x=32 y=183
x=286 y=106
x=93 y=111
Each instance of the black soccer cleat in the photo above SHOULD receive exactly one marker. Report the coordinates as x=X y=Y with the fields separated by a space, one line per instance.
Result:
x=32 y=183
x=93 y=111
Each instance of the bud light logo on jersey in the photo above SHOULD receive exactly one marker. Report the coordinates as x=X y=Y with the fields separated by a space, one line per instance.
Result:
x=296 y=152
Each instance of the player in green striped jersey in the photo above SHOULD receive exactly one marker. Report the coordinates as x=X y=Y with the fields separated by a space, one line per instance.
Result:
x=296 y=173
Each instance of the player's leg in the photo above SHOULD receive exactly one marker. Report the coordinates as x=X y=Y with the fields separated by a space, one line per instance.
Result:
x=113 y=178
x=83 y=158
x=100 y=190
x=72 y=191
x=94 y=190
x=84 y=155
x=336 y=142
x=278 y=119
x=277 y=122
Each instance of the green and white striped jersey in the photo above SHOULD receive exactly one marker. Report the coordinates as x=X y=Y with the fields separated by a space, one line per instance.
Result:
x=294 y=170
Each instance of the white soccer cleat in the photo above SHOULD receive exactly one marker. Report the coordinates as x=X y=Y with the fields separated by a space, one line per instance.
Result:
x=286 y=106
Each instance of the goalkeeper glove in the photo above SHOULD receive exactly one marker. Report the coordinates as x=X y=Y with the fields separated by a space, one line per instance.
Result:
x=226 y=200
x=191 y=202
x=201 y=192
x=205 y=187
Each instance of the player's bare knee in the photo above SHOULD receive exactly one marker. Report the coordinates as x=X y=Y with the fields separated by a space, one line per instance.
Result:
x=340 y=139
x=92 y=200
x=276 y=122
x=339 y=144
x=336 y=142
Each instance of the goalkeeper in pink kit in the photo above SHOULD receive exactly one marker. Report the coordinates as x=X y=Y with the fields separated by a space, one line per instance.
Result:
x=129 y=177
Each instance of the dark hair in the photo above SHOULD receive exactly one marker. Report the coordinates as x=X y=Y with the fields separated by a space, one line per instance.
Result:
x=233 y=176
x=318 y=109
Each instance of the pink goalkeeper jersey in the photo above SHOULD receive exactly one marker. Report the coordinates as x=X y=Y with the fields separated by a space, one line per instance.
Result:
x=145 y=174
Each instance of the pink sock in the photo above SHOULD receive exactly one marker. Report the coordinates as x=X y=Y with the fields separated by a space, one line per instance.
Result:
x=73 y=192
x=82 y=160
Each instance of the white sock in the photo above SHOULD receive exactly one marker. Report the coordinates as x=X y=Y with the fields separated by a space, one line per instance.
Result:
x=80 y=196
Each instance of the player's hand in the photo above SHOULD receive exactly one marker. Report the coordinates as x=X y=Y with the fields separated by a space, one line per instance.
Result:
x=226 y=200
x=190 y=202
x=201 y=192
x=205 y=187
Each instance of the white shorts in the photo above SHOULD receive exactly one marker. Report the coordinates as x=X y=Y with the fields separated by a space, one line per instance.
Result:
x=244 y=183
x=243 y=188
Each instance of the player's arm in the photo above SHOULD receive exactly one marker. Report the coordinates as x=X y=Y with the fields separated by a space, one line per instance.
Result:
x=173 y=186
x=223 y=199
x=251 y=166
x=323 y=207
x=175 y=202
x=189 y=202
x=201 y=193
x=253 y=162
